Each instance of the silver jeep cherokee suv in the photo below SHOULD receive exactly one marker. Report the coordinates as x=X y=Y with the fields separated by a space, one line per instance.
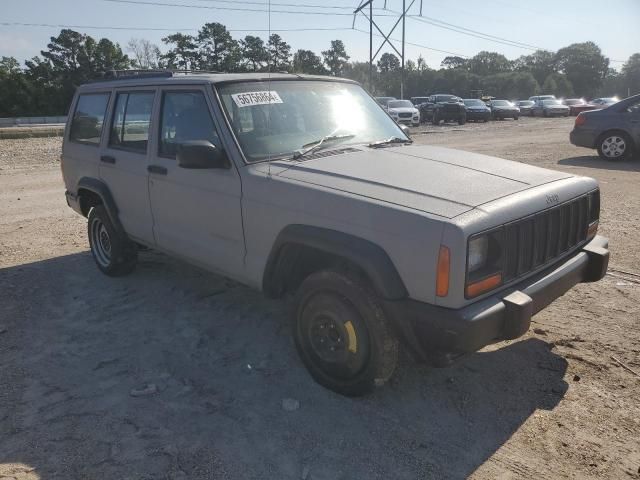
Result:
x=305 y=185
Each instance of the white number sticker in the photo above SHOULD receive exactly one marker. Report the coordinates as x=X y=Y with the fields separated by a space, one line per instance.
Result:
x=256 y=98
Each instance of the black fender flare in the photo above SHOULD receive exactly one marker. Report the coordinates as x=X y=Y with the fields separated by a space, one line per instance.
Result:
x=100 y=188
x=368 y=256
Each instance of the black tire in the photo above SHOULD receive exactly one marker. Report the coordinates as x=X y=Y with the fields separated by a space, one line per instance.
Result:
x=516 y=117
x=544 y=113
x=114 y=254
x=462 y=120
x=615 y=145
x=342 y=334
x=435 y=120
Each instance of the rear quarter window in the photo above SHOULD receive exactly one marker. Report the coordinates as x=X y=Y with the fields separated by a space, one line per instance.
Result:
x=88 y=118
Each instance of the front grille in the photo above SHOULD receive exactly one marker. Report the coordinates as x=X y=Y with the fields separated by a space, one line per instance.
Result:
x=405 y=114
x=541 y=238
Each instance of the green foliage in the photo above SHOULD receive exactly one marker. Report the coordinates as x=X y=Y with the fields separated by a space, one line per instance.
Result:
x=584 y=65
x=388 y=63
x=305 y=61
x=45 y=85
x=335 y=58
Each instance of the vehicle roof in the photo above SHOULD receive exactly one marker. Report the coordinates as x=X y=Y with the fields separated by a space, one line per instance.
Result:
x=201 y=78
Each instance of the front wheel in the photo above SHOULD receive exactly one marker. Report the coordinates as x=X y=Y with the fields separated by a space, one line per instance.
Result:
x=515 y=118
x=113 y=252
x=462 y=120
x=435 y=120
x=342 y=333
x=615 y=146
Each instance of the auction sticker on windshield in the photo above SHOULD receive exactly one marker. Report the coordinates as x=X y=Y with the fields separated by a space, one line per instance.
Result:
x=256 y=98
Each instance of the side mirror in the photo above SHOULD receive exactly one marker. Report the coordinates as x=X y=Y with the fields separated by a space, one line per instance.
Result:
x=200 y=154
x=405 y=130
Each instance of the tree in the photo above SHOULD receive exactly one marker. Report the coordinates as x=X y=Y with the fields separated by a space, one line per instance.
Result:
x=631 y=74
x=388 y=63
x=254 y=52
x=421 y=63
x=184 y=54
x=453 y=62
x=558 y=84
x=540 y=63
x=584 y=65
x=510 y=85
x=305 y=61
x=15 y=91
x=217 y=50
x=335 y=58
x=146 y=55
x=488 y=63
x=279 y=53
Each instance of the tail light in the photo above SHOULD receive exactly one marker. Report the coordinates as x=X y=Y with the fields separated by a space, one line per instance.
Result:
x=580 y=120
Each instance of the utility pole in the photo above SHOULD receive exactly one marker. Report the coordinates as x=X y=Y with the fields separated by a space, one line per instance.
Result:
x=386 y=37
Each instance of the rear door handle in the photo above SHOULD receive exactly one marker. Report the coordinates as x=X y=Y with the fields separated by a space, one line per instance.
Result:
x=157 y=169
x=108 y=159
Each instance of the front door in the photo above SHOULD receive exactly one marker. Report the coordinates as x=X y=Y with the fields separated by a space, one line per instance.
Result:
x=196 y=212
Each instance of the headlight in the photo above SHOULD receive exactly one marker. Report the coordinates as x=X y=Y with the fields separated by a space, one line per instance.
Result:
x=478 y=250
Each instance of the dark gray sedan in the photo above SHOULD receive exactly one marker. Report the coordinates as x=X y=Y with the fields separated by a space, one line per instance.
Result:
x=614 y=131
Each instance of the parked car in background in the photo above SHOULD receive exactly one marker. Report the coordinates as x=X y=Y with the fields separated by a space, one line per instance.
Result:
x=613 y=131
x=601 y=103
x=577 y=105
x=403 y=111
x=433 y=102
x=501 y=109
x=549 y=108
x=525 y=106
x=383 y=101
x=537 y=98
x=477 y=110
x=417 y=101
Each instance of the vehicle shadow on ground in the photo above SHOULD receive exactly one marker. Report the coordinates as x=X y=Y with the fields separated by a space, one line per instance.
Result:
x=594 y=161
x=173 y=372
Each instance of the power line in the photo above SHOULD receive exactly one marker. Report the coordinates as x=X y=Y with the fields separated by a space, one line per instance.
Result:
x=296 y=5
x=171 y=29
x=235 y=9
x=413 y=44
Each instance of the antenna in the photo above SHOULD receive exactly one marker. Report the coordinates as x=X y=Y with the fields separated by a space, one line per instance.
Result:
x=269 y=84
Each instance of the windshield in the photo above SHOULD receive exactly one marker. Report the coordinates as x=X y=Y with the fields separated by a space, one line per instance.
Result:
x=525 y=103
x=400 y=104
x=501 y=103
x=275 y=119
x=474 y=103
x=551 y=102
x=572 y=101
x=417 y=100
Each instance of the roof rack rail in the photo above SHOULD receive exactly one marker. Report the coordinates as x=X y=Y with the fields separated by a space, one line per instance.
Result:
x=151 y=73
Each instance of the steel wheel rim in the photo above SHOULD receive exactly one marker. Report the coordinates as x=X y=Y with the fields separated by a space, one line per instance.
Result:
x=100 y=243
x=614 y=146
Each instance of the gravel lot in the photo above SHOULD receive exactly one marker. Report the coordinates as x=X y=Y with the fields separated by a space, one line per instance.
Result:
x=175 y=373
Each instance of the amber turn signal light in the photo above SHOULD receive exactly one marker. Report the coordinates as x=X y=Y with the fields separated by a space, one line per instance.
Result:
x=442 y=278
x=484 y=285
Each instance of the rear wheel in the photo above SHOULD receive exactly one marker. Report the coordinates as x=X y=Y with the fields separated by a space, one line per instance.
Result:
x=516 y=117
x=435 y=119
x=114 y=253
x=615 y=146
x=462 y=120
x=342 y=333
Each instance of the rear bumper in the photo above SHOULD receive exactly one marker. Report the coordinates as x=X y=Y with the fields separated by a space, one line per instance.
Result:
x=582 y=138
x=440 y=334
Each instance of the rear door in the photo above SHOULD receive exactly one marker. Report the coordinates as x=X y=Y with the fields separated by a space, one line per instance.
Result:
x=197 y=212
x=124 y=160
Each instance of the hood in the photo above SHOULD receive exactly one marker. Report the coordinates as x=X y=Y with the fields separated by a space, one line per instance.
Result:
x=403 y=109
x=434 y=180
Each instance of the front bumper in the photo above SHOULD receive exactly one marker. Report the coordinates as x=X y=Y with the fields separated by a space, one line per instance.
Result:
x=440 y=335
x=481 y=115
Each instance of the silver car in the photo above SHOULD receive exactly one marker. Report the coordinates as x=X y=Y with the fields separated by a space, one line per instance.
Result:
x=303 y=185
x=549 y=108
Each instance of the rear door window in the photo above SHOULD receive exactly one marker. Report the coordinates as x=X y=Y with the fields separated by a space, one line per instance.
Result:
x=131 y=118
x=88 y=118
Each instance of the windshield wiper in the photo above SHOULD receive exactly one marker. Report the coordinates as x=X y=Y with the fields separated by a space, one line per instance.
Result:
x=312 y=146
x=389 y=141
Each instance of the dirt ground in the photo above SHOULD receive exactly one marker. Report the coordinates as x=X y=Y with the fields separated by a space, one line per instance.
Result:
x=175 y=373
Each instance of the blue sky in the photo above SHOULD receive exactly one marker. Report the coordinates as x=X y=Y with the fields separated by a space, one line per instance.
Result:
x=614 y=25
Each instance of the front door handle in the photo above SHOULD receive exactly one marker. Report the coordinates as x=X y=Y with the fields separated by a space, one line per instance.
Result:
x=157 y=169
x=108 y=159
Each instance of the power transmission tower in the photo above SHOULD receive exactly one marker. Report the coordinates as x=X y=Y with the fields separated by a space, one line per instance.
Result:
x=386 y=37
